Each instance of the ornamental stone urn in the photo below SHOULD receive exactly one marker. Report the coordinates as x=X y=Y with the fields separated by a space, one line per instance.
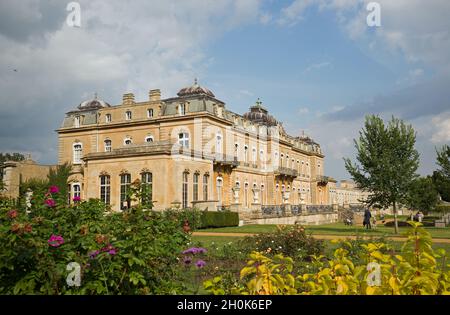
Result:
x=255 y=195
x=236 y=194
x=286 y=195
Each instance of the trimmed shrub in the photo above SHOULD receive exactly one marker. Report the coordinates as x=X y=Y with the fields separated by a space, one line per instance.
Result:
x=287 y=240
x=212 y=219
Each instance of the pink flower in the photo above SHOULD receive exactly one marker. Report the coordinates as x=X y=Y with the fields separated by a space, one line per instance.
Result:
x=12 y=214
x=54 y=189
x=76 y=198
x=55 y=240
x=50 y=203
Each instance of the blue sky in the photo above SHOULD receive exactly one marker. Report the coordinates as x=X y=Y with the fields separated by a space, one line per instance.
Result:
x=315 y=64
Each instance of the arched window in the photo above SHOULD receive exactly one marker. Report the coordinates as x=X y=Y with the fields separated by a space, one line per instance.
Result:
x=108 y=118
x=281 y=159
x=254 y=155
x=238 y=184
x=205 y=187
x=185 y=189
x=147 y=187
x=77 y=153
x=236 y=151
x=219 y=185
x=195 y=195
x=149 y=113
x=149 y=139
x=246 y=194
x=263 y=195
x=105 y=189
x=128 y=115
x=246 y=154
x=76 y=188
x=108 y=145
x=183 y=139
x=77 y=121
x=125 y=182
x=219 y=143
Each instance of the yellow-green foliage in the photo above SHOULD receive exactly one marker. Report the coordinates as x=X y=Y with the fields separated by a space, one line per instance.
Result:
x=416 y=270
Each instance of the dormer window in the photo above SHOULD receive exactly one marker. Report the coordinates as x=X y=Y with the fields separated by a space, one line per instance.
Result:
x=149 y=113
x=182 y=109
x=128 y=115
x=77 y=122
x=108 y=118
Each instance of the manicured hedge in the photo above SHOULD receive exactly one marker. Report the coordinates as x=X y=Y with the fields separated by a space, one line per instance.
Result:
x=209 y=219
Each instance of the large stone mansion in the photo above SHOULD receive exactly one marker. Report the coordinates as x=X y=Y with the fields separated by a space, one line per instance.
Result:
x=192 y=151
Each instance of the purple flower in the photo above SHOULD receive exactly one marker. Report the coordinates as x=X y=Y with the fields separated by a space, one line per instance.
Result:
x=195 y=250
x=112 y=252
x=54 y=189
x=200 y=263
x=50 y=203
x=94 y=254
x=55 y=240
x=76 y=198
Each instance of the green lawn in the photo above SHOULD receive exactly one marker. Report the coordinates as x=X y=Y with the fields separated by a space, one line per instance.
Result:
x=331 y=229
x=208 y=241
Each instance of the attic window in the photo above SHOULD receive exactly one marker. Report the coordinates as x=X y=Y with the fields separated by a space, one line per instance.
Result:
x=182 y=109
x=128 y=115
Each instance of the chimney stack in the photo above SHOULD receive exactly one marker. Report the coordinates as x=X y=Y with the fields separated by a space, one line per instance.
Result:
x=154 y=95
x=128 y=99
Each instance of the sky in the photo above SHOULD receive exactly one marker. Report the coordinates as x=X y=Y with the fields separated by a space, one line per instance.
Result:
x=315 y=64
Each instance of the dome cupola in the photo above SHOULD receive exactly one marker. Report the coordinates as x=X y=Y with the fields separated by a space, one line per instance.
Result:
x=195 y=89
x=95 y=103
x=259 y=114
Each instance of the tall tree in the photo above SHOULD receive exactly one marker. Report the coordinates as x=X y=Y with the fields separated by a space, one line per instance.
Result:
x=387 y=160
x=441 y=177
x=422 y=195
x=11 y=157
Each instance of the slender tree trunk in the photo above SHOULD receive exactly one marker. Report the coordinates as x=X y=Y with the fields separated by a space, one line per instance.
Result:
x=395 y=218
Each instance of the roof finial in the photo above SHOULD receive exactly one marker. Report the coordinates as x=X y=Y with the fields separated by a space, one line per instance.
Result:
x=95 y=95
x=195 y=81
x=258 y=102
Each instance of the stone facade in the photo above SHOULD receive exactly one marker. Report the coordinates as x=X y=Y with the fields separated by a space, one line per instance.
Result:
x=347 y=193
x=14 y=173
x=193 y=150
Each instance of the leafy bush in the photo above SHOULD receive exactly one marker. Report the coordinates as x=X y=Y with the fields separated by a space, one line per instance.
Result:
x=416 y=271
x=289 y=241
x=132 y=252
x=400 y=224
x=213 y=219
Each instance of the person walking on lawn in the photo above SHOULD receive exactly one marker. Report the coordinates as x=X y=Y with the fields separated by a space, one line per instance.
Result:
x=367 y=217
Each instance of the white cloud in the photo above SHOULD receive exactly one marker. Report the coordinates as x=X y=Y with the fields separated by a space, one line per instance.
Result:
x=441 y=124
x=317 y=66
x=265 y=18
x=293 y=13
x=303 y=111
x=121 y=46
